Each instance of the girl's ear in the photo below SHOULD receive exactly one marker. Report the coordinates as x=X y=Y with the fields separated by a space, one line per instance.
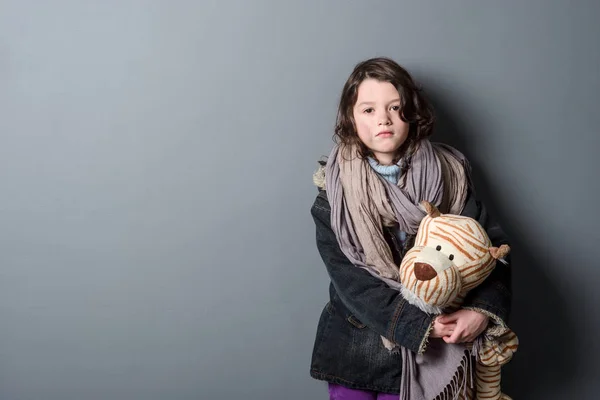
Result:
x=430 y=209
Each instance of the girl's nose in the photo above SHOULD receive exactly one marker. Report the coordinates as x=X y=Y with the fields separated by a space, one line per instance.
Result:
x=383 y=118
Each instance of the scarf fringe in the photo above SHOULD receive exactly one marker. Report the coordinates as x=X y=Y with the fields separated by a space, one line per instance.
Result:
x=461 y=381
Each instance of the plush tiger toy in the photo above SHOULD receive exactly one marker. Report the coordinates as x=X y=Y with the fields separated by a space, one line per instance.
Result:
x=452 y=255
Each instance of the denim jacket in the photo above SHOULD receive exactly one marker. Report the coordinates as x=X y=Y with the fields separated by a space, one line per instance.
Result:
x=348 y=349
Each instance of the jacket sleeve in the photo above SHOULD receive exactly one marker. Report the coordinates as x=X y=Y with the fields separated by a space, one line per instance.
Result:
x=369 y=299
x=493 y=296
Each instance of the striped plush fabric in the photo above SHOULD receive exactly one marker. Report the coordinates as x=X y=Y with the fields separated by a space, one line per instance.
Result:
x=452 y=255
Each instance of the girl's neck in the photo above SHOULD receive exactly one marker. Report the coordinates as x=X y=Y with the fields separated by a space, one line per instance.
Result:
x=384 y=159
x=387 y=158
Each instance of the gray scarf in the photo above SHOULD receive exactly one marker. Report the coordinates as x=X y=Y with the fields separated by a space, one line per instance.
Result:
x=362 y=203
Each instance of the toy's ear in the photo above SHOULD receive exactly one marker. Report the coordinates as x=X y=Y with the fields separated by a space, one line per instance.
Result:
x=499 y=252
x=430 y=209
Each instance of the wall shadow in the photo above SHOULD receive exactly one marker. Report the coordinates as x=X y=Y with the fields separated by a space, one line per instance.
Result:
x=548 y=354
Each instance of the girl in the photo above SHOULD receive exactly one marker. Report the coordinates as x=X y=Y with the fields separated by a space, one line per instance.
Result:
x=366 y=215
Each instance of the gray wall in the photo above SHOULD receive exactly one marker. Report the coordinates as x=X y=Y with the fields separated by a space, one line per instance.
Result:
x=155 y=168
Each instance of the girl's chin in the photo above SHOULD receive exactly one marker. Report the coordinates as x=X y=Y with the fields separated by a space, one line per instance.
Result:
x=386 y=149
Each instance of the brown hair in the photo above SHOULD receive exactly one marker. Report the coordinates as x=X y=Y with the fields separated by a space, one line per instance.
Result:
x=414 y=108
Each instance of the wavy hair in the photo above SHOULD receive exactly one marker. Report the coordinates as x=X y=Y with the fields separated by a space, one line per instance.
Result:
x=414 y=108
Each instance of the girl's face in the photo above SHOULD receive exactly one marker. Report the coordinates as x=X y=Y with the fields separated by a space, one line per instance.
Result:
x=377 y=119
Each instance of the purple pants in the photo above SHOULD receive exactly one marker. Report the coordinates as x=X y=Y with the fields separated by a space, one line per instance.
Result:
x=337 y=392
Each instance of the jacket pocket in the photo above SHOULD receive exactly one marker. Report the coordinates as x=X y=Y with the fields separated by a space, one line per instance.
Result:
x=354 y=321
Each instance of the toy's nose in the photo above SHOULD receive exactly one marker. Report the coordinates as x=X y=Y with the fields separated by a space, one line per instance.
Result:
x=424 y=272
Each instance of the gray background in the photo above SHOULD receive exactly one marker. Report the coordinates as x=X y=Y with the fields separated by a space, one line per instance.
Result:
x=155 y=168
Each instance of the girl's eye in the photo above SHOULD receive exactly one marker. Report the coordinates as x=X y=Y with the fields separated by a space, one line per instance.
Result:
x=396 y=108
x=369 y=110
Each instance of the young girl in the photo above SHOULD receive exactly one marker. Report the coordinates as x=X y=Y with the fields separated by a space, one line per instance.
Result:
x=366 y=215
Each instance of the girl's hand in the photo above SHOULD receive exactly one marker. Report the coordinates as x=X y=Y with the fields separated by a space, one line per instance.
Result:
x=469 y=324
x=441 y=330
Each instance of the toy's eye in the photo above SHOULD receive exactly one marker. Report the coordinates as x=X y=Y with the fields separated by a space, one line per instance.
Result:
x=451 y=257
x=438 y=248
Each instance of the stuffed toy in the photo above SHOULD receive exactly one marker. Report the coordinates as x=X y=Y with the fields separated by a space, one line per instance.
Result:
x=452 y=255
